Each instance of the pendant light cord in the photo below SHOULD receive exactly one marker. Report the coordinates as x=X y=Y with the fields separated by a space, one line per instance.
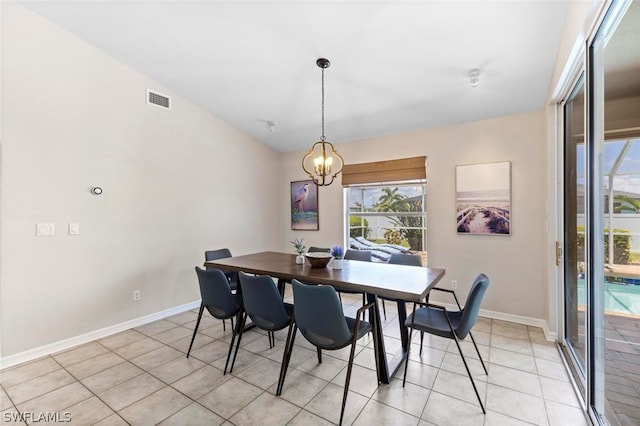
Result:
x=322 y=138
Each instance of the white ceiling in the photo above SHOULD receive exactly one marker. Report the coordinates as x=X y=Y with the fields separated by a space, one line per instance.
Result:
x=395 y=66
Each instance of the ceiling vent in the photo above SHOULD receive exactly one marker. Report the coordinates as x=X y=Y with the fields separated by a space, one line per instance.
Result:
x=154 y=98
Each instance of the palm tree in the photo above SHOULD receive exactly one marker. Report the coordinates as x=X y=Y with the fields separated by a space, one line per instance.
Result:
x=628 y=202
x=391 y=200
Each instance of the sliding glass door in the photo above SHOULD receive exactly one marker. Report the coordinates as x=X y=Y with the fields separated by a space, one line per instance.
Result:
x=601 y=226
x=574 y=231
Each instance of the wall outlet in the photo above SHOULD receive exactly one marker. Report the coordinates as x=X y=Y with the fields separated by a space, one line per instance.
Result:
x=454 y=284
x=136 y=295
x=74 y=228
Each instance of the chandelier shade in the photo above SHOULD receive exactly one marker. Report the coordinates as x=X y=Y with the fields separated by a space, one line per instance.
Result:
x=322 y=163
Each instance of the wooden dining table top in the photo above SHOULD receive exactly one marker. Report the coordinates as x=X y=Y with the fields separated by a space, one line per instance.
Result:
x=391 y=281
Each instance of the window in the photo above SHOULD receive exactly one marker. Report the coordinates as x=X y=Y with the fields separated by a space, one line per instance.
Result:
x=387 y=217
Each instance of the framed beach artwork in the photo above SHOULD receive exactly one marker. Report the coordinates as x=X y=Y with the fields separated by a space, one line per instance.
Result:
x=483 y=198
x=304 y=205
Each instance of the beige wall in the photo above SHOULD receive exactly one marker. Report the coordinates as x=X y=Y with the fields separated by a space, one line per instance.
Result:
x=179 y=182
x=175 y=183
x=514 y=263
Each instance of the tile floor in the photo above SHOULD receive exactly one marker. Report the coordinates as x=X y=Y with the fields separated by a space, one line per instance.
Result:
x=142 y=377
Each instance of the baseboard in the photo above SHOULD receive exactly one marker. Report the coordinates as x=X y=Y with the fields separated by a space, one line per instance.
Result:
x=518 y=319
x=108 y=331
x=61 y=345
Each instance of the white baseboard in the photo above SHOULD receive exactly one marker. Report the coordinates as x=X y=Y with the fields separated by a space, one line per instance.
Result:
x=107 y=331
x=534 y=322
x=519 y=319
x=61 y=345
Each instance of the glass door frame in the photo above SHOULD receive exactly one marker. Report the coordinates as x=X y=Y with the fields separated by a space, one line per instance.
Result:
x=592 y=60
x=576 y=369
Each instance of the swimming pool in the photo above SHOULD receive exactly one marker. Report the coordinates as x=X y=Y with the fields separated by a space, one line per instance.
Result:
x=618 y=298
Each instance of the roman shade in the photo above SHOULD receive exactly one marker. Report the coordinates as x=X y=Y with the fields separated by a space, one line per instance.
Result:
x=385 y=171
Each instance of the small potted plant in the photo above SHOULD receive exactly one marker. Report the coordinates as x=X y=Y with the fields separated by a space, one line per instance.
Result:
x=300 y=248
x=338 y=255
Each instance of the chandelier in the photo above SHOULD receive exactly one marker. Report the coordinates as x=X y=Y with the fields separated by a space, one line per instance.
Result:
x=322 y=163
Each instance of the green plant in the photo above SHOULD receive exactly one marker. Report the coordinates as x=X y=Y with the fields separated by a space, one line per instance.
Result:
x=359 y=227
x=298 y=246
x=407 y=225
x=621 y=245
x=393 y=236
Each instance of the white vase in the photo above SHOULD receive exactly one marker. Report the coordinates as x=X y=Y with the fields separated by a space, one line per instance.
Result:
x=337 y=263
x=299 y=259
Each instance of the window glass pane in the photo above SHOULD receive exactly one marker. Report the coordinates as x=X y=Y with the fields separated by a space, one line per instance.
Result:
x=392 y=214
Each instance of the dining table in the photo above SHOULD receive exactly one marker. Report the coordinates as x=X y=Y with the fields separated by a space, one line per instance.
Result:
x=375 y=279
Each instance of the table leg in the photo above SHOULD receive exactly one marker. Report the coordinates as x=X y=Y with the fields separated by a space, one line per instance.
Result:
x=383 y=368
x=402 y=317
x=393 y=365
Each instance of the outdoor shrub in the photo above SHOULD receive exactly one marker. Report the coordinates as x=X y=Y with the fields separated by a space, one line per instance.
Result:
x=359 y=227
x=621 y=245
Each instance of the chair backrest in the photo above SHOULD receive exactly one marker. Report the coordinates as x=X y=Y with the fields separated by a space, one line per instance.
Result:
x=472 y=305
x=262 y=301
x=217 y=254
x=318 y=250
x=405 y=259
x=362 y=255
x=216 y=293
x=221 y=254
x=319 y=315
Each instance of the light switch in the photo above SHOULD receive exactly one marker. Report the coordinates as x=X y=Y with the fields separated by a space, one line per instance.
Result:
x=74 y=228
x=44 y=229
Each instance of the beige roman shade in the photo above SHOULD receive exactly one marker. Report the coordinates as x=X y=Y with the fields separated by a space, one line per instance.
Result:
x=385 y=171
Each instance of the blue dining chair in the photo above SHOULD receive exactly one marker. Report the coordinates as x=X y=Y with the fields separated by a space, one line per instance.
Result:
x=319 y=316
x=223 y=253
x=455 y=325
x=318 y=250
x=262 y=303
x=401 y=259
x=218 y=299
x=232 y=276
x=361 y=256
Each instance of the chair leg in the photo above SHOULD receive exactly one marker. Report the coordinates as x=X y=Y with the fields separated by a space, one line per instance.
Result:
x=233 y=340
x=384 y=310
x=272 y=339
x=421 y=340
x=469 y=373
x=364 y=302
x=288 y=349
x=239 y=330
x=195 y=330
x=224 y=325
x=348 y=379
x=479 y=356
x=319 y=355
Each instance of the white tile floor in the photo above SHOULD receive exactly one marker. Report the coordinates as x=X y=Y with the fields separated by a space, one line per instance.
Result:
x=142 y=377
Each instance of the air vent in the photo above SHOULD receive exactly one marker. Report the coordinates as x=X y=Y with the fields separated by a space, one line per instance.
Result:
x=154 y=98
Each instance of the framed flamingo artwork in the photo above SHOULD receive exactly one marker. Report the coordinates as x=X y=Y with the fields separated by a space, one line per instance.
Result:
x=304 y=205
